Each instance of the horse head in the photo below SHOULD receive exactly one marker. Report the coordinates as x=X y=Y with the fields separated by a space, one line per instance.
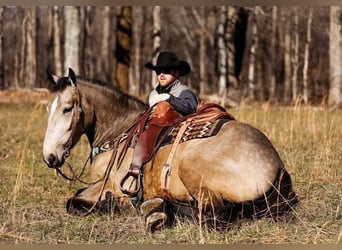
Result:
x=65 y=113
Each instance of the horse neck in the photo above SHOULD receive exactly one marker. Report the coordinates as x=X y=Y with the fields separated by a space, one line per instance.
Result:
x=108 y=113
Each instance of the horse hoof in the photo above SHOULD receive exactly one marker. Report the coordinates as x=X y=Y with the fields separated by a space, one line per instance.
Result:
x=155 y=221
x=149 y=205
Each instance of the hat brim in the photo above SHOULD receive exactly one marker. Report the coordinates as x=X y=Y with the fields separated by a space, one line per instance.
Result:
x=182 y=66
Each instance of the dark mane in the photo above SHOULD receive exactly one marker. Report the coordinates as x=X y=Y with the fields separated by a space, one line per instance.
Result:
x=94 y=81
x=113 y=91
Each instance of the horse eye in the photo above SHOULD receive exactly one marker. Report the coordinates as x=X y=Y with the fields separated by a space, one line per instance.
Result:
x=67 y=110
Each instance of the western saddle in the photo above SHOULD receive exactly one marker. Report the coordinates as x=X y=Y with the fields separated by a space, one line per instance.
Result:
x=162 y=124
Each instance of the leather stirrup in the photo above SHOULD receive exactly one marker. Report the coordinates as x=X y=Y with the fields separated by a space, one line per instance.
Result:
x=137 y=186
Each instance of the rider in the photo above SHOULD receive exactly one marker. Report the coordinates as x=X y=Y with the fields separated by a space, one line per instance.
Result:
x=169 y=100
x=170 y=88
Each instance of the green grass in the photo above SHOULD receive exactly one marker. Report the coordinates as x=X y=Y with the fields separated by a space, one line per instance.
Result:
x=32 y=208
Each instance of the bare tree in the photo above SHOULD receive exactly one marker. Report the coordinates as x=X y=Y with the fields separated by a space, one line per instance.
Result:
x=229 y=36
x=252 y=53
x=287 y=56
x=135 y=77
x=123 y=46
x=57 y=49
x=294 y=53
x=335 y=56
x=85 y=39
x=72 y=38
x=202 y=51
x=272 y=67
x=222 y=52
x=156 y=39
x=306 y=58
x=97 y=22
x=29 y=60
x=200 y=26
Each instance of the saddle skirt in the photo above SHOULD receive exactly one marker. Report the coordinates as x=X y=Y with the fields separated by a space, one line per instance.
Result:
x=206 y=122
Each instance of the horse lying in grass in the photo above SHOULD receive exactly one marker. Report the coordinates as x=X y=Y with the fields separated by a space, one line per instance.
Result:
x=235 y=173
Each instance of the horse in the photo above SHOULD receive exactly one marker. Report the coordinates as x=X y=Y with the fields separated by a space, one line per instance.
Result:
x=236 y=173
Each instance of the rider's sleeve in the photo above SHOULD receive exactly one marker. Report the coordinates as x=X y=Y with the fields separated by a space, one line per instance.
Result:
x=186 y=103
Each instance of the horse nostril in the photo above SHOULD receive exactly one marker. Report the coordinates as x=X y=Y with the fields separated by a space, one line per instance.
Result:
x=51 y=161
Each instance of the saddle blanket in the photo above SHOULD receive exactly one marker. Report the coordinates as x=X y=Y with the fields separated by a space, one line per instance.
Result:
x=193 y=131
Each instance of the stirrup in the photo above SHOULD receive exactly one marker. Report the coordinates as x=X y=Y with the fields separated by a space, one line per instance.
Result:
x=137 y=179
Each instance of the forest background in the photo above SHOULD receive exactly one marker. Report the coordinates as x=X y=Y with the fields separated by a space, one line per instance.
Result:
x=280 y=54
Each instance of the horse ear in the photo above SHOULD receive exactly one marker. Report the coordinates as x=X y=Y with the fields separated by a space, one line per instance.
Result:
x=72 y=77
x=52 y=78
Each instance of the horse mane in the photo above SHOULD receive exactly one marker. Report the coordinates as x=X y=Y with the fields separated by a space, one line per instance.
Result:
x=111 y=91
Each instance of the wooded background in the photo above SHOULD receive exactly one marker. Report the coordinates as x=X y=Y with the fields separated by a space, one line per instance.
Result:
x=278 y=54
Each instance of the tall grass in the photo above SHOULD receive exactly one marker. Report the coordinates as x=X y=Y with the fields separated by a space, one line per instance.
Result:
x=32 y=208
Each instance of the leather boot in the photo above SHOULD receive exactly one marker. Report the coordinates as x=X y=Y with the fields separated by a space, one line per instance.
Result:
x=164 y=115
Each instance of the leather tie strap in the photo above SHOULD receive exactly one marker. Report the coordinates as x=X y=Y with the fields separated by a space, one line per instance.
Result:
x=166 y=171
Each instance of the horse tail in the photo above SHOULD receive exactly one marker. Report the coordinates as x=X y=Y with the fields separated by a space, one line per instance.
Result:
x=279 y=200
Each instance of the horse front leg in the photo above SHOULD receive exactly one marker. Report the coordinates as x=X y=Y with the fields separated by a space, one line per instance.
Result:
x=98 y=198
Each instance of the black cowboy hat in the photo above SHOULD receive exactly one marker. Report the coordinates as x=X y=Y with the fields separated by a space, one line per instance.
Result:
x=170 y=60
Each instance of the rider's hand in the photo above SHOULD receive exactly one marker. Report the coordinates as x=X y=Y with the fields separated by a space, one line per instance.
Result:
x=158 y=98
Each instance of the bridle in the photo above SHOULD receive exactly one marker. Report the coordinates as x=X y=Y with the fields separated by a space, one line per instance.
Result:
x=114 y=145
x=67 y=146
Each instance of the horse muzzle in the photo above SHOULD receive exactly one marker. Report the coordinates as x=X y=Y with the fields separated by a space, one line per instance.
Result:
x=52 y=161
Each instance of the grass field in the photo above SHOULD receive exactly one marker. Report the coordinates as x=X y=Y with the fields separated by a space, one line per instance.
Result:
x=32 y=207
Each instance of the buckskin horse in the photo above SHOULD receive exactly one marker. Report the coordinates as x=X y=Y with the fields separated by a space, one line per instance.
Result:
x=233 y=173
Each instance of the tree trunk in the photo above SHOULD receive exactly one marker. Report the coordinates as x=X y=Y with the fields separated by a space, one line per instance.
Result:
x=272 y=68
x=222 y=56
x=57 y=50
x=335 y=56
x=287 y=57
x=103 y=64
x=201 y=21
x=72 y=38
x=29 y=63
x=294 y=54
x=156 y=41
x=123 y=46
x=306 y=58
x=135 y=78
x=202 y=52
x=232 y=19
x=252 y=55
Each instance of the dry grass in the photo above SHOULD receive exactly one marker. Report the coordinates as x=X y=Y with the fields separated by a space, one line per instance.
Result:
x=33 y=197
